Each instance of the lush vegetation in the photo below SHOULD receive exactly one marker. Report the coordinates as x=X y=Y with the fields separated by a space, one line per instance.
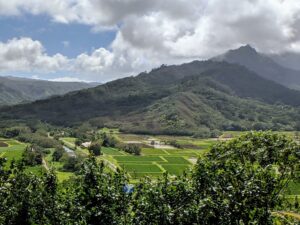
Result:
x=198 y=98
x=242 y=181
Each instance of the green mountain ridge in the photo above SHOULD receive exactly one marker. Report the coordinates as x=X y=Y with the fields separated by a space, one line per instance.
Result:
x=15 y=90
x=174 y=99
x=263 y=65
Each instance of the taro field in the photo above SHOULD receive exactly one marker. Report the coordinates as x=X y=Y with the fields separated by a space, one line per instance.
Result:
x=157 y=157
x=11 y=149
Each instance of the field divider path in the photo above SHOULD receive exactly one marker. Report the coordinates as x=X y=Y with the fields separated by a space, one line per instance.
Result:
x=45 y=164
x=165 y=151
x=159 y=166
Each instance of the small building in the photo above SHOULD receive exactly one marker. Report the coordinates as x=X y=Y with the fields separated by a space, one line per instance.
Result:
x=86 y=144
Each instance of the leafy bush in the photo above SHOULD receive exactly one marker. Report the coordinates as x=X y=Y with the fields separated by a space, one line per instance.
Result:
x=131 y=149
x=241 y=181
x=108 y=140
x=58 y=153
x=95 y=148
x=33 y=155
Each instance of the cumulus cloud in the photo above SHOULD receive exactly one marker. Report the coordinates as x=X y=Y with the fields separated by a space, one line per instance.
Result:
x=25 y=54
x=150 y=33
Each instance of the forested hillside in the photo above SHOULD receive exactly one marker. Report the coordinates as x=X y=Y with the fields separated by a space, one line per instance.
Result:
x=171 y=99
x=263 y=65
x=14 y=90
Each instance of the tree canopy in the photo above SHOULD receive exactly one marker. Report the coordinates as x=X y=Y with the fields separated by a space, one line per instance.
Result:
x=241 y=181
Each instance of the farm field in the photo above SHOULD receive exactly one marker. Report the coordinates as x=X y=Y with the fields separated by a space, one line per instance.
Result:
x=11 y=150
x=152 y=162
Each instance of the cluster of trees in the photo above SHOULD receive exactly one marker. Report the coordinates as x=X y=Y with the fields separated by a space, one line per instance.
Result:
x=35 y=133
x=131 y=149
x=33 y=155
x=239 y=182
x=95 y=148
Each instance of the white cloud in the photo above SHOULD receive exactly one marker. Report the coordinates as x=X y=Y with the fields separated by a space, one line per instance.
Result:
x=68 y=79
x=150 y=33
x=24 y=54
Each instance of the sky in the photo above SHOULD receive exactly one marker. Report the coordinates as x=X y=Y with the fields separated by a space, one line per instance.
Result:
x=102 y=40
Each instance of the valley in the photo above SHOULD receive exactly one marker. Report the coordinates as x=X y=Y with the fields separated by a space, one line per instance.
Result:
x=159 y=154
x=212 y=132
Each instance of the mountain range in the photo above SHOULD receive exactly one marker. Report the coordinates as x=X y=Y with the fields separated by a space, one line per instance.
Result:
x=263 y=65
x=15 y=90
x=234 y=91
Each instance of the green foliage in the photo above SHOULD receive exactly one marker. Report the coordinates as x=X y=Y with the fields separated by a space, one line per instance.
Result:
x=71 y=163
x=33 y=155
x=95 y=148
x=131 y=149
x=26 y=198
x=197 y=98
x=239 y=182
x=38 y=139
x=97 y=197
x=58 y=153
x=108 y=140
x=235 y=173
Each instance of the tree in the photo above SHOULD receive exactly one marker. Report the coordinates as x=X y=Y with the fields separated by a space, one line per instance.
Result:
x=108 y=141
x=72 y=163
x=27 y=199
x=58 y=153
x=33 y=155
x=243 y=180
x=98 y=197
x=95 y=148
x=131 y=149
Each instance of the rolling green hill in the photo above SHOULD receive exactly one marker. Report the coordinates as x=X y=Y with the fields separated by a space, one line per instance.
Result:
x=14 y=90
x=175 y=99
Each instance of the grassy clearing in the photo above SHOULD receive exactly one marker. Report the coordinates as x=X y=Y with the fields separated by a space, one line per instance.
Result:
x=181 y=152
x=61 y=176
x=138 y=159
x=36 y=170
x=175 y=169
x=133 y=137
x=69 y=142
x=13 y=151
x=294 y=188
x=12 y=155
x=109 y=130
x=153 y=151
x=3 y=144
x=111 y=151
x=140 y=175
x=176 y=160
x=145 y=168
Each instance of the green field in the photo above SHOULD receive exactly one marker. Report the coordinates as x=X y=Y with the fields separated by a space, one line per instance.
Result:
x=111 y=151
x=138 y=158
x=154 y=162
x=175 y=169
x=176 y=160
x=153 y=151
x=145 y=168
x=13 y=151
x=153 y=166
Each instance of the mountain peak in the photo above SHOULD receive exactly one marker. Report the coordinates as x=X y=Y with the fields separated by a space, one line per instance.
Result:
x=245 y=50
